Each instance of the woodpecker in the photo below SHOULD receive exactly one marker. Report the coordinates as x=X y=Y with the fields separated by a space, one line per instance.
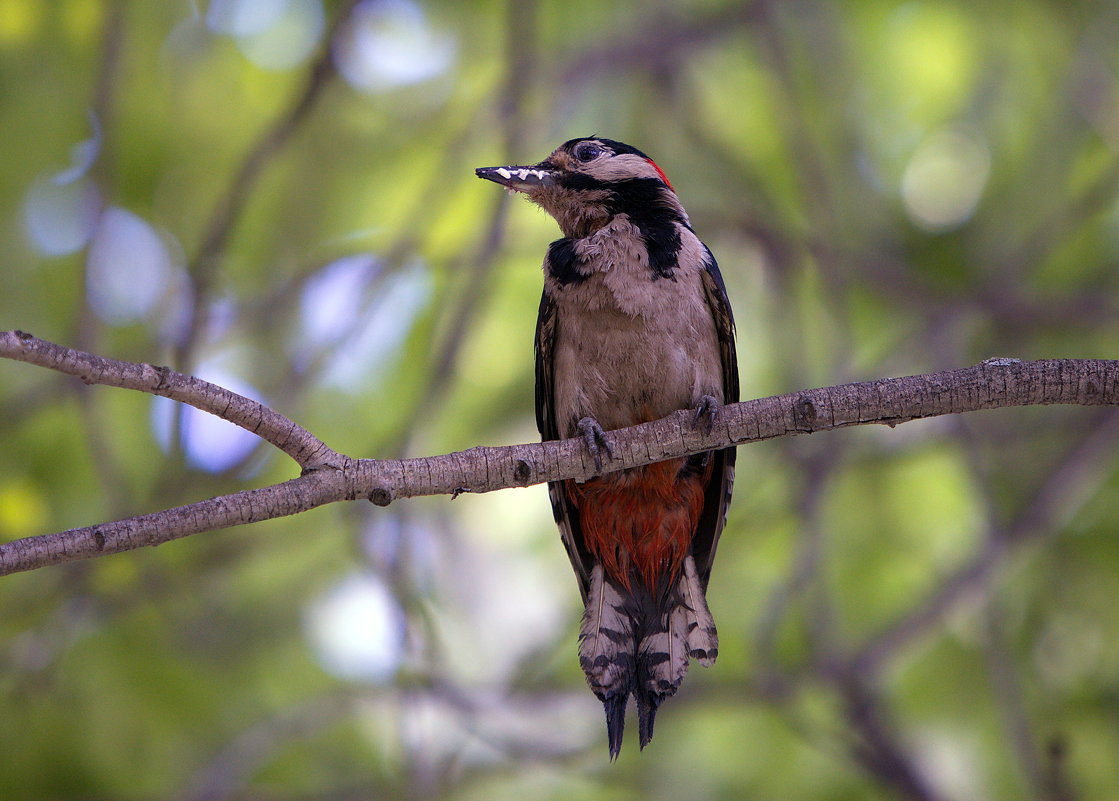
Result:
x=634 y=324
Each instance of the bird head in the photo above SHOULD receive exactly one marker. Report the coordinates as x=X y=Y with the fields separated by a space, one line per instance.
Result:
x=586 y=182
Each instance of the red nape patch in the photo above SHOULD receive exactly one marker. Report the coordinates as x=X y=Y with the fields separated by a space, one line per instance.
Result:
x=660 y=172
x=640 y=522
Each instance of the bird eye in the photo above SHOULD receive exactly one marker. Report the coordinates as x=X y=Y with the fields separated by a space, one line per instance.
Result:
x=587 y=152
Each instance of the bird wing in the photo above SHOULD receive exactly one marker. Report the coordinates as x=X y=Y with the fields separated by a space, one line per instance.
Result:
x=718 y=492
x=564 y=511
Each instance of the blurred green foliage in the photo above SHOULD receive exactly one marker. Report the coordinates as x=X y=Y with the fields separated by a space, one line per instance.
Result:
x=926 y=612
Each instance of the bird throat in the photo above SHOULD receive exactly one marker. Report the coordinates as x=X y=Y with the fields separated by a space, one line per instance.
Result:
x=579 y=212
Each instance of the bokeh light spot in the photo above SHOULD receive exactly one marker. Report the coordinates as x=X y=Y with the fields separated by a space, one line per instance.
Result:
x=930 y=58
x=290 y=40
x=337 y=304
x=944 y=179
x=128 y=268
x=59 y=217
x=61 y=208
x=19 y=20
x=243 y=17
x=24 y=510
x=332 y=299
x=274 y=34
x=357 y=629
x=389 y=44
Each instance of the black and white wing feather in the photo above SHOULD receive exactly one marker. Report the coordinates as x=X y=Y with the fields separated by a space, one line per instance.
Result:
x=717 y=499
x=565 y=513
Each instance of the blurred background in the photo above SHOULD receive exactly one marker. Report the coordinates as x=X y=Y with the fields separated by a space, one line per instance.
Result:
x=278 y=195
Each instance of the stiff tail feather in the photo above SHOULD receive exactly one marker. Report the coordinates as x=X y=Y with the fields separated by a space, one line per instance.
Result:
x=606 y=651
x=703 y=639
x=633 y=644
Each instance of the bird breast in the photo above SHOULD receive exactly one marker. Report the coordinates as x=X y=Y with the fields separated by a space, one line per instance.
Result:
x=630 y=346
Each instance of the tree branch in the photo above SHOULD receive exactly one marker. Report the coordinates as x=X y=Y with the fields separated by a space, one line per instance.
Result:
x=271 y=426
x=329 y=476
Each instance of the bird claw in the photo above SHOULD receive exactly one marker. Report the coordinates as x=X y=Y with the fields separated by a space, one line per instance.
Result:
x=595 y=439
x=708 y=407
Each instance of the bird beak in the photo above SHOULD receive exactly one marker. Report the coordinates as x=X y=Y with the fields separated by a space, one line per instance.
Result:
x=518 y=179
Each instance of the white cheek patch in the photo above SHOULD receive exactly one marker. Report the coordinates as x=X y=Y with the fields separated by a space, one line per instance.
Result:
x=504 y=173
x=625 y=166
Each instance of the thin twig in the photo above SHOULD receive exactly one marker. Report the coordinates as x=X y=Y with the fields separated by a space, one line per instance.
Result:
x=803 y=576
x=88 y=327
x=229 y=208
x=470 y=296
x=879 y=748
x=271 y=426
x=1009 y=697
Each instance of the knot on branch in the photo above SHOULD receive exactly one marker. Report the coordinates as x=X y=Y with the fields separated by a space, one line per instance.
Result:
x=380 y=496
x=164 y=374
x=522 y=472
x=804 y=413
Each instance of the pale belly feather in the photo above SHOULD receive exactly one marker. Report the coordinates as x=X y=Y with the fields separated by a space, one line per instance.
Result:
x=633 y=352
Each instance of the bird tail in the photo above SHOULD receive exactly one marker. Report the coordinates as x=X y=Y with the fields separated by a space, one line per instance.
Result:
x=607 y=651
x=631 y=643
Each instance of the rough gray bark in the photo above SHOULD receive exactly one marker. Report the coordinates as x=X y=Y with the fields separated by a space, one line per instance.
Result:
x=328 y=476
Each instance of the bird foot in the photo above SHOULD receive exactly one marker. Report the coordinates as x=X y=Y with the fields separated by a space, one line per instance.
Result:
x=706 y=410
x=595 y=439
